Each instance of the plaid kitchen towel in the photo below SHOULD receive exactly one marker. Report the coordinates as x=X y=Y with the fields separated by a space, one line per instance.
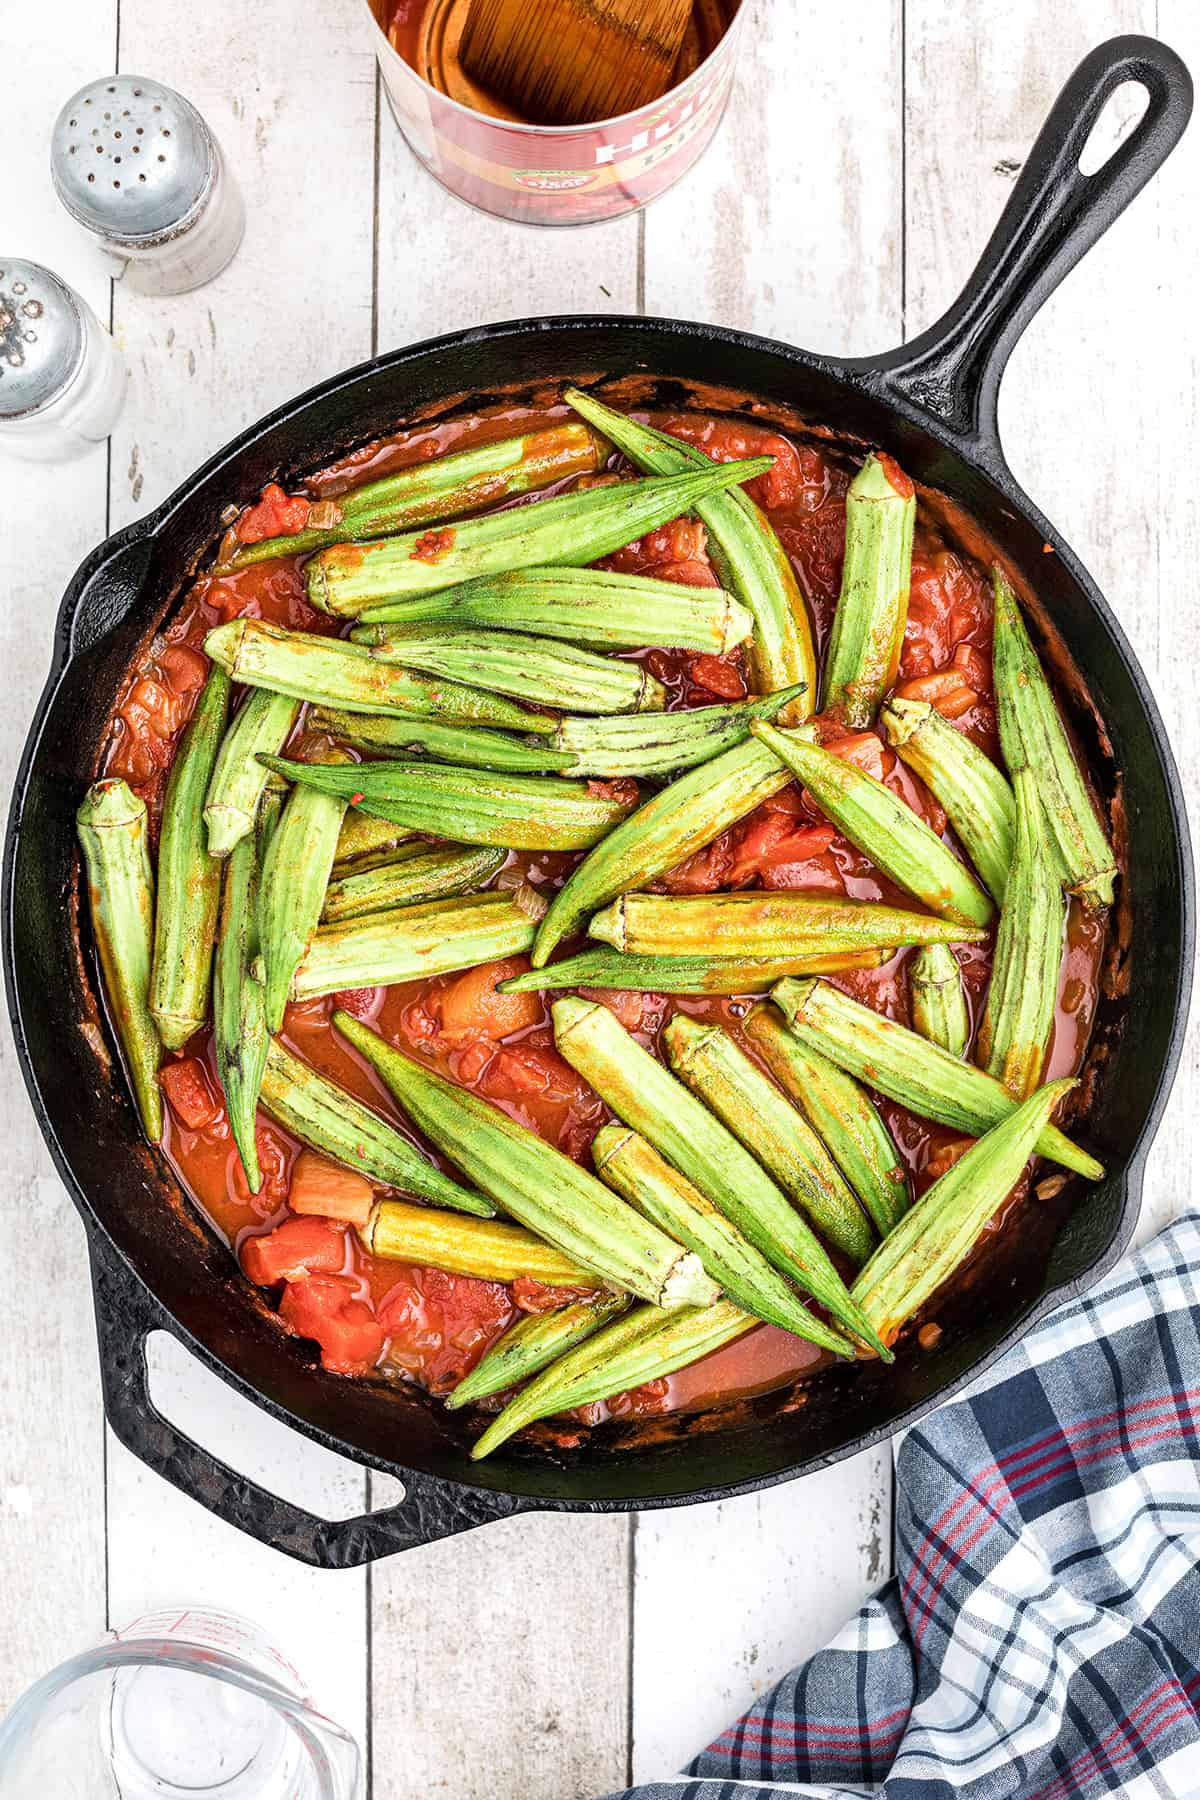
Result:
x=1041 y=1638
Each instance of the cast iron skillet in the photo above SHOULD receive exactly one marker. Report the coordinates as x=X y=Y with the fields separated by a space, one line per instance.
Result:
x=932 y=403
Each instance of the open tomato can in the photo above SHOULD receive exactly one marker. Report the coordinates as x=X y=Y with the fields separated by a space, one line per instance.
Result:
x=544 y=174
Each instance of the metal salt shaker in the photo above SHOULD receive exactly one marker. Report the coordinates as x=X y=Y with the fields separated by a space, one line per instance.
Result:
x=62 y=381
x=135 y=163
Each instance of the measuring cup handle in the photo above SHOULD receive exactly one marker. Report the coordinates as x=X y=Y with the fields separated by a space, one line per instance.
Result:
x=126 y=1314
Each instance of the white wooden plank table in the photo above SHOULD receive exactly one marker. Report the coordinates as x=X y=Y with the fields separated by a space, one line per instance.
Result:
x=866 y=156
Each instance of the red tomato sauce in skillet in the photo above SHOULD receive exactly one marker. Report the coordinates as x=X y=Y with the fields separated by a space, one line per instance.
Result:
x=430 y=1327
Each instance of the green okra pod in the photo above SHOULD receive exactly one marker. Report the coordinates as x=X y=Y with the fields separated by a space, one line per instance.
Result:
x=306 y=666
x=597 y=607
x=443 y=487
x=330 y=1120
x=669 y=827
x=656 y=1104
x=883 y=827
x=536 y=1340
x=410 y=942
x=749 y=559
x=663 y=743
x=640 y=1175
x=841 y=1112
x=539 y=671
x=919 y=1075
x=977 y=799
x=470 y=806
x=936 y=999
x=536 y=1184
x=485 y=1249
x=437 y=872
x=240 y=1035
x=1019 y=1016
x=872 y=608
x=932 y=1239
x=765 y=924
x=646 y=1345
x=466 y=744
x=113 y=836
x=295 y=876
x=566 y=531
x=683 y=974
x=189 y=878
x=1033 y=737
x=750 y=1105
x=262 y=723
x=365 y=842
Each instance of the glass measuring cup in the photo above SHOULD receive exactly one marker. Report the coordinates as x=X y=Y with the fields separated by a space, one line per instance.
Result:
x=184 y=1702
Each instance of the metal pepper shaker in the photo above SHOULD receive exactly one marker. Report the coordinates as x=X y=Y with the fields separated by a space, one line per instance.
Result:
x=62 y=381
x=135 y=163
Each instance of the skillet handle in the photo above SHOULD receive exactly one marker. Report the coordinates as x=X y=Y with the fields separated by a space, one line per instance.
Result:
x=126 y=1314
x=1054 y=216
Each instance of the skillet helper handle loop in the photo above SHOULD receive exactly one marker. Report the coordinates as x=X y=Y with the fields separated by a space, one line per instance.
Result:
x=126 y=1314
x=1053 y=217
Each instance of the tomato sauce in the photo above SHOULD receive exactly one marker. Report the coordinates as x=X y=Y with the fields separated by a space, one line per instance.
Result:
x=430 y=1327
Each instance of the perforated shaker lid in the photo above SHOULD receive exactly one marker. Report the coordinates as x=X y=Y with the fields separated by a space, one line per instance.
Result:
x=41 y=337
x=130 y=158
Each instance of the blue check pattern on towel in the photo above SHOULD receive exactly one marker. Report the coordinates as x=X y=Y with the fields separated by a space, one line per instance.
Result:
x=1041 y=1639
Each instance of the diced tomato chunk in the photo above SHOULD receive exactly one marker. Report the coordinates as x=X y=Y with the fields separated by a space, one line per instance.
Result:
x=441 y=1324
x=627 y=1005
x=864 y=750
x=472 y=1008
x=183 y=668
x=272 y=1166
x=622 y=792
x=704 y=872
x=771 y=839
x=721 y=675
x=327 y=1308
x=469 y=1064
x=360 y=1003
x=681 y=540
x=690 y=573
x=185 y=1083
x=294 y=1250
x=276 y=515
x=535 y=1297
x=530 y=1069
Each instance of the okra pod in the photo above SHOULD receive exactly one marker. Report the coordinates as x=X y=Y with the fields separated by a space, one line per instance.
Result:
x=655 y=1103
x=1033 y=737
x=113 y=836
x=932 y=1240
x=840 y=1112
x=749 y=559
x=872 y=608
x=646 y=1345
x=750 y=1105
x=683 y=974
x=568 y=530
x=306 y=666
x=365 y=842
x=919 y=1075
x=536 y=1184
x=674 y=823
x=536 y=1340
x=883 y=827
x=597 y=607
x=977 y=798
x=936 y=999
x=777 y=924
x=1019 y=1015
x=328 y=1119
x=444 y=487
x=240 y=1035
x=469 y=745
x=483 y=1248
x=435 y=874
x=640 y=1175
x=663 y=743
x=189 y=878
x=411 y=942
x=295 y=876
x=539 y=671
x=470 y=806
x=262 y=723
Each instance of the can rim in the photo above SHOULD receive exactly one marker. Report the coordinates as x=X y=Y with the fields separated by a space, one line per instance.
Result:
x=519 y=128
